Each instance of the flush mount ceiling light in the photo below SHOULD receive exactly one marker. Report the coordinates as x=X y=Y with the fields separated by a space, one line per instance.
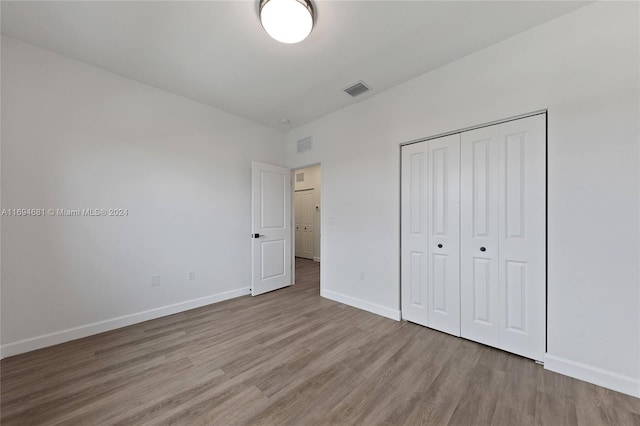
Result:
x=288 y=21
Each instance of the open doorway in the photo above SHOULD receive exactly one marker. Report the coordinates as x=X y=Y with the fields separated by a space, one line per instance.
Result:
x=307 y=225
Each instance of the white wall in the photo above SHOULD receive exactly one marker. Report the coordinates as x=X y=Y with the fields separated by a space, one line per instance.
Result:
x=75 y=136
x=312 y=179
x=584 y=68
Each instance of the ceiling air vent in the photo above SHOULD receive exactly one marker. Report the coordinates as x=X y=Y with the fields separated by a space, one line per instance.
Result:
x=357 y=89
x=304 y=144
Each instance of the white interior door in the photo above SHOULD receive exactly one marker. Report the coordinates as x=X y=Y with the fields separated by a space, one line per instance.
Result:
x=522 y=236
x=430 y=234
x=271 y=227
x=305 y=204
x=503 y=236
x=479 y=236
x=415 y=233
x=444 y=234
x=298 y=223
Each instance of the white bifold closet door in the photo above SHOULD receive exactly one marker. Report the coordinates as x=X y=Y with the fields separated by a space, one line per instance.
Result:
x=503 y=236
x=431 y=233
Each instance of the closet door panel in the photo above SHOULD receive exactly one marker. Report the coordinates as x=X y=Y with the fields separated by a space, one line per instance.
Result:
x=522 y=236
x=479 y=289
x=414 y=234
x=444 y=234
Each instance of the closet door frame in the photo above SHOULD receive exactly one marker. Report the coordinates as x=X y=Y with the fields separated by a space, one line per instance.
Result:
x=466 y=129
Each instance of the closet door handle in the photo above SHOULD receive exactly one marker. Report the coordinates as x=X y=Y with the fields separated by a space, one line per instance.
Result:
x=439 y=245
x=483 y=249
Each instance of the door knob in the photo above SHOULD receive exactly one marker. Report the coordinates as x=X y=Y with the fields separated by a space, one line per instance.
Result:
x=483 y=249
x=439 y=245
x=257 y=235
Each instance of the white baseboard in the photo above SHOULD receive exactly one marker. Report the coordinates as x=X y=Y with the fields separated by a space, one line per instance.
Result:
x=362 y=304
x=316 y=259
x=591 y=374
x=62 y=336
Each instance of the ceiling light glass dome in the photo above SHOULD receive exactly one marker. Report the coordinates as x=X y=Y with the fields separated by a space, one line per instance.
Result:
x=288 y=21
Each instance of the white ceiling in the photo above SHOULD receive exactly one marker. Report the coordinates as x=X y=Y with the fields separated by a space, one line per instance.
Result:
x=217 y=53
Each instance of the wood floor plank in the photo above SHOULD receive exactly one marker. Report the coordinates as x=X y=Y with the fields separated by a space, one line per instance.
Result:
x=143 y=396
x=291 y=357
x=478 y=403
x=517 y=401
x=552 y=411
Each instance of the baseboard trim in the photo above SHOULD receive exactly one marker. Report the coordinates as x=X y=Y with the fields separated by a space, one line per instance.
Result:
x=591 y=374
x=62 y=336
x=361 y=304
x=316 y=259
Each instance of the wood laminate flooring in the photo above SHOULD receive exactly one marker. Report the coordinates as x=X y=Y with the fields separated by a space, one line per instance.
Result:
x=291 y=357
